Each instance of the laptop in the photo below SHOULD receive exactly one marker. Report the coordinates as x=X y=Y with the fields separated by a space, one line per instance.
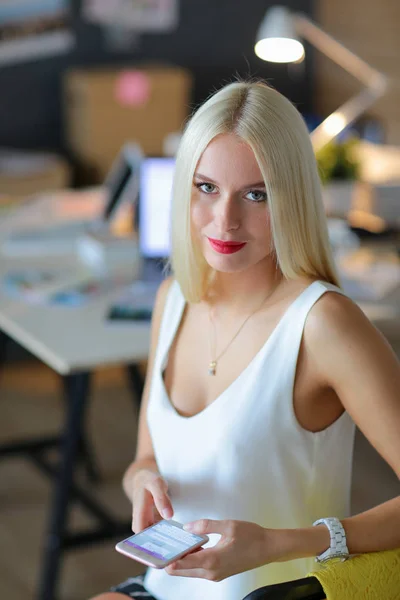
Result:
x=153 y=228
x=64 y=223
x=153 y=216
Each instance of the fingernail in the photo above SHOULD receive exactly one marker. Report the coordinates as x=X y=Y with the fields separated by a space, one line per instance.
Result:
x=189 y=527
x=166 y=513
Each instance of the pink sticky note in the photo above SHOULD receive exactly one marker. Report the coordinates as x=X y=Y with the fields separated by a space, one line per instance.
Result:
x=132 y=88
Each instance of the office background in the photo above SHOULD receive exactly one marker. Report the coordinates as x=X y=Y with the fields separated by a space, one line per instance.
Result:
x=214 y=42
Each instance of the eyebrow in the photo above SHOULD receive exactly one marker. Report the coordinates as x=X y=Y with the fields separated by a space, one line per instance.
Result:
x=250 y=185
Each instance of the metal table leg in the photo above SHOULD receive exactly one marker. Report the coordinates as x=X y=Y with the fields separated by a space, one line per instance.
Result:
x=4 y=339
x=77 y=390
x=136 y=382
x=85 y=452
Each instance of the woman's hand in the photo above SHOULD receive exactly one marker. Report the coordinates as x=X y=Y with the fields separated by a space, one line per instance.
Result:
x=150 y=499
x=243 y=546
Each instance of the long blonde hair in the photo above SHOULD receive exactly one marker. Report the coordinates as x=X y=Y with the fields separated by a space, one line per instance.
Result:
x=274 y=129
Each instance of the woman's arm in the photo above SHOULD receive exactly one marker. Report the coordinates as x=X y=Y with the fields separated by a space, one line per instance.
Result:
x=143 y=471
x=351 y=357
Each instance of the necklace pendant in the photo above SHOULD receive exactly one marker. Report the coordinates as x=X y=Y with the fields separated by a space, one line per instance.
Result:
x=212 y=367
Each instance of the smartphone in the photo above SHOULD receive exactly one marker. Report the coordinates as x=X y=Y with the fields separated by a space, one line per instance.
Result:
x=161 y=544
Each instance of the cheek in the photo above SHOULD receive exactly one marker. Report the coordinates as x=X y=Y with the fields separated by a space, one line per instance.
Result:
x=200 y=215
x=261 y=229
x=261 y=223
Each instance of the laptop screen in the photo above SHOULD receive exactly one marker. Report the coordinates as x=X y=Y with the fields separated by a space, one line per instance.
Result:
x=155 y=191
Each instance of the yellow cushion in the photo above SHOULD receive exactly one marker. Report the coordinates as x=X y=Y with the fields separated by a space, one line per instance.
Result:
x=373 y=576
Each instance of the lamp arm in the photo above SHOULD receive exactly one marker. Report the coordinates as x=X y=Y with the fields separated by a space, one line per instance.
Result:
x=347 y=112
x=339 y=54
x=376 y=83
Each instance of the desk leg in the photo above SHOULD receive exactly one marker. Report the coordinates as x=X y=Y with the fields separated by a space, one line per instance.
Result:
x=85 y=452
x=136 y=382
x=77 y=390
x=4 y=339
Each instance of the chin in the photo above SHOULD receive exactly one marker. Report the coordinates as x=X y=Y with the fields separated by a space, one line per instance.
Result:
x=235 y=263
x=227 y=264
x=223 y=269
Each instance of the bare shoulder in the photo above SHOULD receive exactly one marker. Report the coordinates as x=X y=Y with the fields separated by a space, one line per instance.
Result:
x=350 y=356
x=333 y=317
x=340 y=338
x=336 y=318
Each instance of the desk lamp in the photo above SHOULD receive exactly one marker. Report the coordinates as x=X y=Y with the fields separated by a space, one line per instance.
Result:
x=277 y=41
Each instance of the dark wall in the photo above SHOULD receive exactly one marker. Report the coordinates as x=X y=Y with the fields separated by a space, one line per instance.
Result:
x=215 y=41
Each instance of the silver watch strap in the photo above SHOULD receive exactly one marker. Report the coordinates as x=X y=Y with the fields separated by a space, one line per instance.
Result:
x=338 y=546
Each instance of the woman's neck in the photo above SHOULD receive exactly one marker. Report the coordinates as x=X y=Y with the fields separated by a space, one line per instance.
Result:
x=242 y=291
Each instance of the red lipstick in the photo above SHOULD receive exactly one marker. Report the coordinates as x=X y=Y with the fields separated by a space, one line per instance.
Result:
x=226 y=247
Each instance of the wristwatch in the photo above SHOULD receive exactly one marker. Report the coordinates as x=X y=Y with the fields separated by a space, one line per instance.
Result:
x=338 y=547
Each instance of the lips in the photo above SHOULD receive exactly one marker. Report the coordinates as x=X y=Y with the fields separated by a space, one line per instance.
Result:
x=226 y=247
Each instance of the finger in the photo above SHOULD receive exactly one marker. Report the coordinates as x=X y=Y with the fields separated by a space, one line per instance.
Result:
x=160 y=498
x=199 y=573
x=138 y=515
x=143 y=512
x=140 y=522
x=155 y=515
x=206 y=526
x=196 y=550
x=194 y=560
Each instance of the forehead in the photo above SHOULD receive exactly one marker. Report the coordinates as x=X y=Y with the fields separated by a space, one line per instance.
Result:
x=228 y=157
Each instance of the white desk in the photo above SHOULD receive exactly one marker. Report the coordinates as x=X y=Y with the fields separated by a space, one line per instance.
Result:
x=67 y=339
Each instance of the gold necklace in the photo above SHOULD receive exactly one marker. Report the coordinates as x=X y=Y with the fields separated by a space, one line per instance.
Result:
x=212 y=367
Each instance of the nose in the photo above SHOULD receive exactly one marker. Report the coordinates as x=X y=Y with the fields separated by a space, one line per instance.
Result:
x=227 y=215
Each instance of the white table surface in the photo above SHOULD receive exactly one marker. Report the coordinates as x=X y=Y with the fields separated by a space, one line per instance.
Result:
x=66 y=338
x=72 y=339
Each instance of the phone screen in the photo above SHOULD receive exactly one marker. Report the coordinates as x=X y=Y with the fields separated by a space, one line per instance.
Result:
x=163 y=540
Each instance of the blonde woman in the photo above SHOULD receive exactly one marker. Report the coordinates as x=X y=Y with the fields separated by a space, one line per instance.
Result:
x=260 y=367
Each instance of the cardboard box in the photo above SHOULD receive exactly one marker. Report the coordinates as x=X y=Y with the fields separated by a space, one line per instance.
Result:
x=105 y=108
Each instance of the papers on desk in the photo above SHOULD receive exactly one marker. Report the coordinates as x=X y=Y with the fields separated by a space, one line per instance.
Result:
x=73 y=288
x=367 y=276
x=135 y=304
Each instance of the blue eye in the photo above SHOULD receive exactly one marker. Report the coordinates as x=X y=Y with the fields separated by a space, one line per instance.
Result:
x=257 y=196
x=206 y=188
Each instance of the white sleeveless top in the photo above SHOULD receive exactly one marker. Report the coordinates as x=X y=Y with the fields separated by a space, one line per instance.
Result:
x=245 y=456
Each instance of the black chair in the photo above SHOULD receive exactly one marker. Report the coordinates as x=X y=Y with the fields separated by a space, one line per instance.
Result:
x=308 y=588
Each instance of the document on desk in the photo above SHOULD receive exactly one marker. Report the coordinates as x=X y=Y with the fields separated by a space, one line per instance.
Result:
x=134 y=304
x=65 y=288
x=38 y=285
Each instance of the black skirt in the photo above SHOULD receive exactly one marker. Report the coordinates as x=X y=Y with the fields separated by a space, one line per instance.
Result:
x=133 y=588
